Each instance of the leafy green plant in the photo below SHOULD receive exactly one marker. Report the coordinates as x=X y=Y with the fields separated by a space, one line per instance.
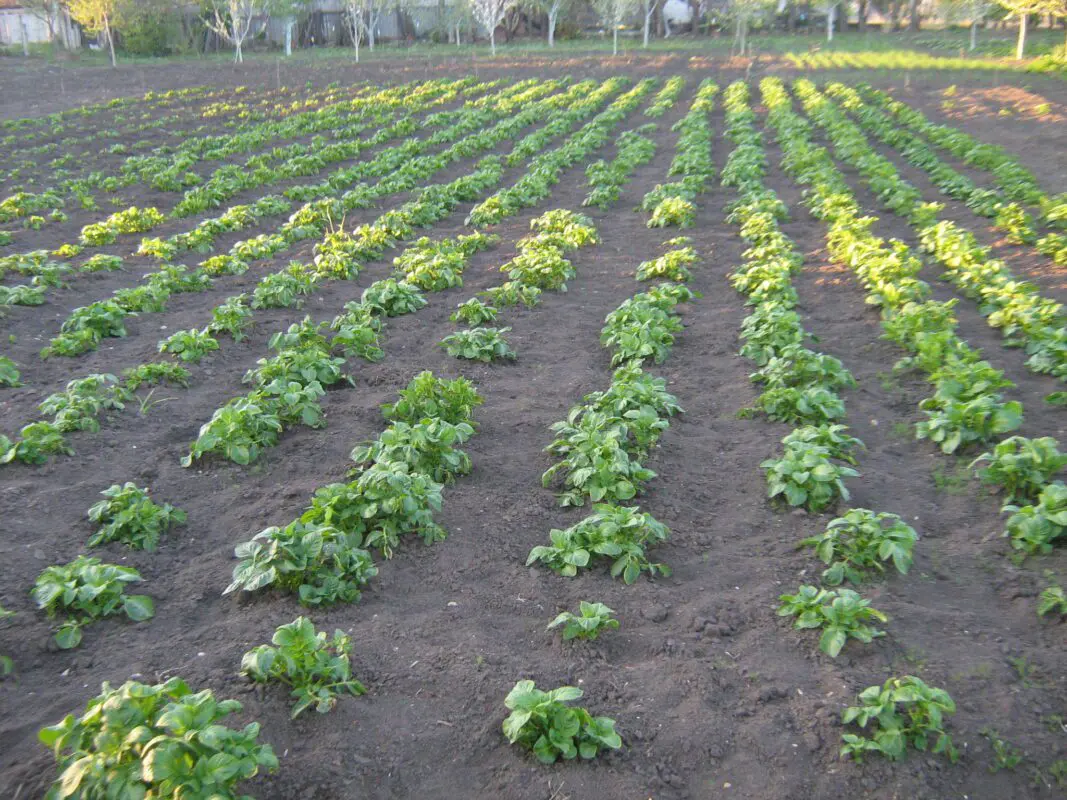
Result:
x=1022 y=467
x=7 y=666
x=1004 y=755
x=474 y=312
x=318 y=562
x=904 y=712
x=674 y=210
x=1052 y=600
x=1034 y=528
x=841 y=613
x=617 y=532
x=127 y=514
x=37 y=441
x=392 y=298
x=863 y=541
x=806 y=476
x=832 y=437
x=153 y=373
x=315 y=669
x=543 y=723
x=426 y=396
x=86 y=590
x=233 y=317
x=387 y=500
x=157 y=740
x=427 y=447
x=190 y=345
x=595 y=461
x=240 y=430
x=589 y=623
x=78 y=406
x=9 y=373
x=479 y=344
x=638 y=329
x=672 y=265
x=511 y=293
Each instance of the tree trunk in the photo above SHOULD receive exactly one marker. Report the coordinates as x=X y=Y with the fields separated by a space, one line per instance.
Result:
x=492 y=40
x=110 y=40
x=861 y=19
x=372 y=24
x=552 y=26
x=289 y=37
x=25 y=38
x=615 y=40
x=831 y=17
x=913 y=15
x=974 y=34
x=1020 y=47
x=648 y=20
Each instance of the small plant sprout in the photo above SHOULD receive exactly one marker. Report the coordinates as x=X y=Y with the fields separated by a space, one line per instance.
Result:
x=841 y=613
x=902 y=713
x=588 y=624
x=542 y=722
x=316 y=669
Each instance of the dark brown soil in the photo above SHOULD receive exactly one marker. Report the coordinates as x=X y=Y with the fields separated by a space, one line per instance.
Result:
x=714 y=695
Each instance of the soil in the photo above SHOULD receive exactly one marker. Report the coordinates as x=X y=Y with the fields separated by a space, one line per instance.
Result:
x=714 y=695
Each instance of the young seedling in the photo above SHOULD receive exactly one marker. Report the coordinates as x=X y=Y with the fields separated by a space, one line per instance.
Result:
x=315 y=669
x=542 y=722
x=593 y=619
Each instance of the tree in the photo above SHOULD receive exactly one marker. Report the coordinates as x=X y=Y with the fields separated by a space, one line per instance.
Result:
x=913 y=15
x=290 y=12
x=489 y=14
x=973 y=11
x=650 y=10
x=95 y=16
x=1023 y=9
x=232 y=20
x=48 y=12
x=613 y=13
x=829 y=8
x=552 y=9
x=743 y=13
x=355 y=22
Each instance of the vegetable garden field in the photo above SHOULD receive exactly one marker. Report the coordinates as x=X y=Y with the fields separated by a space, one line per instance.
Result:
x=652 y=428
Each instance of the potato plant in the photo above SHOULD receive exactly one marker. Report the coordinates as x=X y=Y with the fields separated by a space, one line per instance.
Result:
x=591 y=620
x=902 y=713
x=428 y=447
x=840 y=613
x=1021 y=467
x=1035 y=528
x=159 y=740
x=616 y=532
x=806 y=475
x=317 y=562
x=317 y=670
x=427 y=396
x=544 y=723
x=861 y=542
x=474 y=312
x=9 y=373
x=85 y=590
x=191 y=345
x=479 y=344
x=127 y=514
